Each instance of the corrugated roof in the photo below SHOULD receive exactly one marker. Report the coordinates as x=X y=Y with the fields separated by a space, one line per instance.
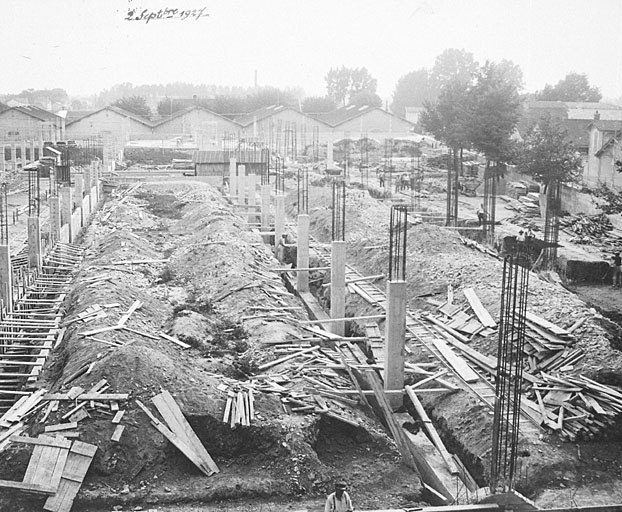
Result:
x=223 y=157
x=344 y=114
x=187 y=110
x=36 y=112
x=117 y=110
x=262 y=113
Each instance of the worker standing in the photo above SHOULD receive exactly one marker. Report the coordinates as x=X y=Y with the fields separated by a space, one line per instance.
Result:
x=339 y=501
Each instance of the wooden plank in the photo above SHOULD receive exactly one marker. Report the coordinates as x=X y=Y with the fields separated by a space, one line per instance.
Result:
x=118 y=431
x=457 y=363
x=61 y=426
x=173 y=340
x=176 y=441
x=35 y=488
x=42 y=440
x=166 y=404
x=117 y=417
x=478 y=308
x=432 y=433
x=78 y=462
x=287 y=358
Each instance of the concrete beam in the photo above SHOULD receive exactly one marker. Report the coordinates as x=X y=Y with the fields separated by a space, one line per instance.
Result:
x=233 y=180
x=302 y=278
x=34 y=242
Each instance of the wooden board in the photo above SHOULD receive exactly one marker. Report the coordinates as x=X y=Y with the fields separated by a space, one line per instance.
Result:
x=118 y=431
x=478 y=308
x=78 y=462
x=457 y=363
x=170 y=411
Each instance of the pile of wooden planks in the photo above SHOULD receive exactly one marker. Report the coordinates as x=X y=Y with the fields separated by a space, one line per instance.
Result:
x=575 y=407
x=240 y=406
x=56 y=469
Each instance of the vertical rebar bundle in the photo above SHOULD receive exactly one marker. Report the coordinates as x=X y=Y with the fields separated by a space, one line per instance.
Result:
x=364 y=165
x=415 y=183
x=491 y=176
x=4 y=215
x=303 y=190
x=265 y=166
x=398 y=229
x=33 y=191
x=339 y=211
x=63 y=170
x=388 y=163
x=509 y=373
x=551 y=224
x=316 y=144
x=279 y=175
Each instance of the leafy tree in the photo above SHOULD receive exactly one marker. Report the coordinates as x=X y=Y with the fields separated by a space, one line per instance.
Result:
x=343 y=83
x=366 y=98
x=135 y=104
x=316 y=104
x=453 y=65
x=168 y=106
x=266 y=96
x=547 y=155
x=574 y=87
x=412 y=90
x=494 y=110
x=610 y=201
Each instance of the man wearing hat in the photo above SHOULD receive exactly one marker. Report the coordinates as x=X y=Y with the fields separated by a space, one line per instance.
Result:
x=339 y=501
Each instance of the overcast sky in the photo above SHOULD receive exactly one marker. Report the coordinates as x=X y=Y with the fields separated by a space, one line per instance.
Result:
x=85 y=46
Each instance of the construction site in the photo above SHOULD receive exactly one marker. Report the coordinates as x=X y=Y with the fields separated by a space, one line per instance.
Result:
x=240 y=341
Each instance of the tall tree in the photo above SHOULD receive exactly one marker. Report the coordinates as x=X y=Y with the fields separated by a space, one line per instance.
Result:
x=547 y=155
x=135 y=104
x=343 y=83
x=168 y=106
x=494 y=110
x=316 y=104
x=574 y=87
x=453 y=65
x=366 y=98
x=448 y=121
x=412 y=90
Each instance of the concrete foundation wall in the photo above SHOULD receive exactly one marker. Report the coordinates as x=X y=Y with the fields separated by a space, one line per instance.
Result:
x=76 y=224
x=64 y=234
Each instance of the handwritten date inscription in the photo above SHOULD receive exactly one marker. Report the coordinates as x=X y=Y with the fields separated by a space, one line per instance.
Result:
x=146 y=15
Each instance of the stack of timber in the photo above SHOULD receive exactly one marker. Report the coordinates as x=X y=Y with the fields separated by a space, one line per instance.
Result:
x=578 y=408
x=56 y=469
x=590 y=229
x=240 y=407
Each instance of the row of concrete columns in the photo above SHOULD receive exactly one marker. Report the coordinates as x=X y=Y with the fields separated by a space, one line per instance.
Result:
x=242 y=189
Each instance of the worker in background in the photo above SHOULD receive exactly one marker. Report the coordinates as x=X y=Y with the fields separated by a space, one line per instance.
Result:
x=520 y=240
x=617 y=270
x=529 y=236
x=287 y=250
x=381 y=179
x=339 y=501
x=481 y=214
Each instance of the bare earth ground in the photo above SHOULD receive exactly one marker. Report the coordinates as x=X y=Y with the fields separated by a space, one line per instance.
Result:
x=281 y=462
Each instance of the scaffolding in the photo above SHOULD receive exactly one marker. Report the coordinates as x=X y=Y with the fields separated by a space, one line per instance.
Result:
x=509 y=372
x=339 y=210
x=398 y=229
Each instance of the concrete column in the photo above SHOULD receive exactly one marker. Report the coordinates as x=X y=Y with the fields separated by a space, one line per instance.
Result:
x=302 y=281
x=2 y=163
x=233 y=180
x=242 y=184
x=338 y=287
x=34 y=242
x=279 y=219
x=329 y=154
x=54 y=219
x=79 y=194
x=23 y=153
x=66 y=209
x=14 y=156
x=32 y=151
x=394 y=333
x=265 y=208
x=252 y=197
x=6 y=279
